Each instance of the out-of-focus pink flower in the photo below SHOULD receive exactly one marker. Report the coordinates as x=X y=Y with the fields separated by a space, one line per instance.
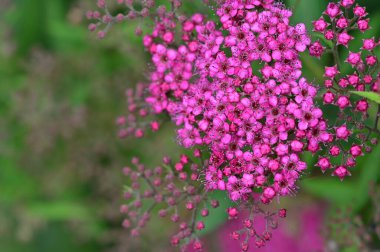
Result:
x=303 y=234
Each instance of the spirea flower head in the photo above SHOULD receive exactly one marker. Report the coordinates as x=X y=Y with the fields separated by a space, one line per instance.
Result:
x=248 y=119
x=255 y=122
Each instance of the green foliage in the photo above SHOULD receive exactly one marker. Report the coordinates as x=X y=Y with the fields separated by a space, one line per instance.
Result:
x=331 y=189
x=30 y=21
x=59 y=211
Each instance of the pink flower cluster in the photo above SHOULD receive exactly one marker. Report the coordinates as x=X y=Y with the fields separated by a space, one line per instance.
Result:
x=256 y=121
x=337 y=24
x=236 y=89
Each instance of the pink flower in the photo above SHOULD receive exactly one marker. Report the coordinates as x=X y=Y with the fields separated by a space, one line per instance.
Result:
x=341 y=172
x=347 y=3
x=324 y=163
x=329 y=35
x=316 y=49
x=362 y=106
x=232 y=212
x=332 y=10
x=334 y=151
x=200 y=225
x=256 y=121
x=297 y=146
x=354 y=58
x=301 y=38
x=269 y=193
x=363 y=25
x=248 y=180
x=282 y=149
x=331 y=72
x=342 y=23
x=320 y=25
x=344 y=39
x=304 y=92
x=356 y=150
x=342 y=132
x=328 y=97
x=360 y=11
x=236 y=189
x=343 y=102
x=371 y=60
x=369 y=44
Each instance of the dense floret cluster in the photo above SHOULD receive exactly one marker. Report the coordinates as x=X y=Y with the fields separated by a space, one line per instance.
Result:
x=234 y=88
x=255 y=120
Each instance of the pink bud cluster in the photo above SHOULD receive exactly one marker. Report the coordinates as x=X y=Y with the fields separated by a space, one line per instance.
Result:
x=337 y=24
x=172 y=189
x=103 y=19
x=256 y=122
x=137 y=122
x=249 y=229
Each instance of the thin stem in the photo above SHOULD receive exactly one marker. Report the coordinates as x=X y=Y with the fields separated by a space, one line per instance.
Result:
x=147 y=180
x=377 y=118
x=375 y=127
x=193 y=217
x=336 y=55
x=335 y=48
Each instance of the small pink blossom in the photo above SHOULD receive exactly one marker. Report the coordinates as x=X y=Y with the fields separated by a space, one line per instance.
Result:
x=342 y=132
x=343 y=102
x=341 y=172
x=369 y=44
x=331 y=72
x=360 y=11
x=324 y=163
x=316 y=49
x=342 y=23
x=363 y=25
x=354 y=58
x=362 y=106
x=320 y=25
x=328 y=97
x=332 y=10
x=344 y=38
x=356 y=150
x=371 y=60
x=347 y=3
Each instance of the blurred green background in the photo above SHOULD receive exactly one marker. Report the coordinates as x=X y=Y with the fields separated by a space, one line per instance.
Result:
x=60 y=159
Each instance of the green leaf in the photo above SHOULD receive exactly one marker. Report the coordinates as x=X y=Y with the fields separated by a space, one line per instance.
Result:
x=375 y=97
x=370 y=170
x=331 y=189
x=370 y=173
x=350 y=249
x=15 y=184
x=58 y=211
x=30 y=25
x=314 y=67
